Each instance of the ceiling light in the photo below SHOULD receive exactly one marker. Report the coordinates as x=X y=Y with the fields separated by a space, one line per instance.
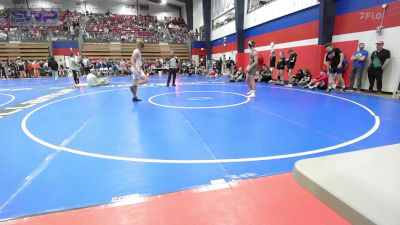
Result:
x=163 y=2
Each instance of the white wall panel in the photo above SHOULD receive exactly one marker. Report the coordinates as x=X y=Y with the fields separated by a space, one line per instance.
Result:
x=223 y=31
x=219 y=7
x=274 y=10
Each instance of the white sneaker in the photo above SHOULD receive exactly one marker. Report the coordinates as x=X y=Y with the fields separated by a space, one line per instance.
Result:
x=252 y=94
x=249 y=93
x=289 y=85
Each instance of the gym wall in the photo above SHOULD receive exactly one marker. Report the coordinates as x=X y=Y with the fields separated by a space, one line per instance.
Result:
x=356 y=21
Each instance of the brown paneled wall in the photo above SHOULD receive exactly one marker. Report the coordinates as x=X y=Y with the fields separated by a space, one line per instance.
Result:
x=124 y=51
x=25 y=50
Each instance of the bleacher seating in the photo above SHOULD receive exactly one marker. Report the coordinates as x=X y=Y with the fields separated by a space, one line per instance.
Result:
x=115 y=52
x=180 y=50
x=104 y=36
x=25 y=50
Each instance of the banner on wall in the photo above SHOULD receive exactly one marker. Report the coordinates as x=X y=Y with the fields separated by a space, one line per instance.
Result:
x=36 y=17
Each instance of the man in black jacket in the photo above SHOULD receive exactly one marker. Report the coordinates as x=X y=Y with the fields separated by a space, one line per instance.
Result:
x=219 y=66
x=379 y=61
x=54 y=68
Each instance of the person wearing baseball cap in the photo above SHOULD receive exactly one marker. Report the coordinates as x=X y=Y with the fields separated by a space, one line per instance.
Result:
x=380 y=59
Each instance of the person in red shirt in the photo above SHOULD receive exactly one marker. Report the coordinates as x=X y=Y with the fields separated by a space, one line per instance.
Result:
x=321 y=81
x=30 y=69
x=36 y=67
x=212 y=74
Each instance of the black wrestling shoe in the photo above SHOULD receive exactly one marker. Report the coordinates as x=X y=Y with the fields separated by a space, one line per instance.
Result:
x=136 y=99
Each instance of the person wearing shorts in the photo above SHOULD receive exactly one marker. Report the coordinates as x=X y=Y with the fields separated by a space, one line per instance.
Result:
x=138 y=75
x=251 y=70
x=21 y=68
x=291 y=63
x=281 y=69
x=272 y=62
x=333 y=60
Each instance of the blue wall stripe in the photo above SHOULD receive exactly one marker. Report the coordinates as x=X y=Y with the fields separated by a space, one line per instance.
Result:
x=348 y=6
x=221 y=41
x=199 y=44
x=65 y=44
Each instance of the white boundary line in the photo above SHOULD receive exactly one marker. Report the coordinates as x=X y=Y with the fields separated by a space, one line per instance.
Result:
x=200 y=161
x=12 y=99
x=198 y=107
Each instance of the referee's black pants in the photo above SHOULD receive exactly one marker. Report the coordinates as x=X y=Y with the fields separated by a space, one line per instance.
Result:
x=173 y=73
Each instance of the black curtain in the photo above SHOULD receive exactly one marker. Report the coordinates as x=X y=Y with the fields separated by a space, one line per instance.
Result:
x=189 y=14
x=239 y=20
x=207 y=25
x=327 y=13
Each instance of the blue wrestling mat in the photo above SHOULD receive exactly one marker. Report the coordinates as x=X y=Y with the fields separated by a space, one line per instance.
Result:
x=63 y=147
